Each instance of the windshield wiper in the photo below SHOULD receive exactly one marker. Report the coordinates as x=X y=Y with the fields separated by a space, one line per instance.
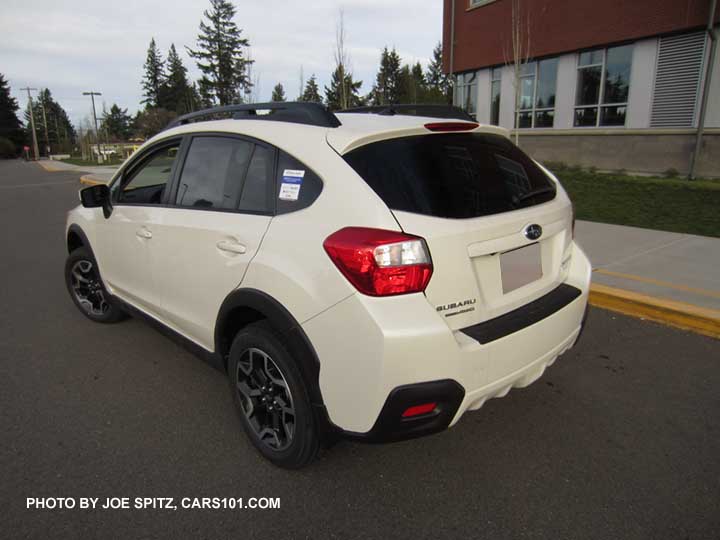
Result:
x=533 y=193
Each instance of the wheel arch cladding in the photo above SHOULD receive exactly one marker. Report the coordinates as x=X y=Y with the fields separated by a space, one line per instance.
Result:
x=76 y=238
x=246 y=306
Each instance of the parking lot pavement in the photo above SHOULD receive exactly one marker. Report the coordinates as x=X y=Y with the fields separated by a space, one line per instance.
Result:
x=619 y=439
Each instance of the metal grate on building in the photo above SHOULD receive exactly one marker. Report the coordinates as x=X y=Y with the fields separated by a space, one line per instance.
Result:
x=677 y=80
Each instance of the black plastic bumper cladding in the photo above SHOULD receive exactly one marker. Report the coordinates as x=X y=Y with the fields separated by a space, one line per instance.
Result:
x=524 y=316
x=391 y=426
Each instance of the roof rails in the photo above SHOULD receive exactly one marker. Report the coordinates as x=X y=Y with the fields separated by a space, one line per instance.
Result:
x=312 y=114
x=431 y=110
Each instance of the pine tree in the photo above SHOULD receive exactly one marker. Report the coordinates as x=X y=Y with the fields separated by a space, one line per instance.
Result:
x=278 y=93
x=387 y=80
x=438 y=83
x=154 y=78
x=10 y=126
x=339 y=97
x=219 y=55
x=177 y=94
x=59 y=129
x=311 y=92
x=116 y=123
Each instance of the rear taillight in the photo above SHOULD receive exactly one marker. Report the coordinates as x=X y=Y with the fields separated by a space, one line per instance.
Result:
x=379 y=262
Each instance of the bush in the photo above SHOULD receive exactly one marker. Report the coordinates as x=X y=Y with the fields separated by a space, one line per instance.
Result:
x=7 y=148
x=671 y=173
x=555 y=166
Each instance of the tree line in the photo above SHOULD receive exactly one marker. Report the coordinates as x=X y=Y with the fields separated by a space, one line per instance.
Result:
x=222 y=55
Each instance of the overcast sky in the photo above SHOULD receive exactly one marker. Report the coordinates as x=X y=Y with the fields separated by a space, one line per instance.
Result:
x=70 y=46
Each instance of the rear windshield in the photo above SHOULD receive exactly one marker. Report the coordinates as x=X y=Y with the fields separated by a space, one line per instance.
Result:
x=454 y=175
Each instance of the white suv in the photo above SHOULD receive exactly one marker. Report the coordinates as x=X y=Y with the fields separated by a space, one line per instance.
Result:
x=372 y=274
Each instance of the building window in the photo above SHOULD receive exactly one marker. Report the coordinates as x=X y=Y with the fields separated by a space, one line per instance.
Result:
x=466 y=92
x=495 y=96
x=603 y=85
x=537 y=94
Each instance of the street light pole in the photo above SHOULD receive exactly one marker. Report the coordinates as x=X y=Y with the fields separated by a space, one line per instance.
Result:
x=97 y=133
x=32 y=122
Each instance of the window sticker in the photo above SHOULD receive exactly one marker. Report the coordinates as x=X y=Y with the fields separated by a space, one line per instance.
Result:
x=291 y=183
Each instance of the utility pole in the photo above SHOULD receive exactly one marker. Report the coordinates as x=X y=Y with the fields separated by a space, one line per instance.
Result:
x=97 y=133
x=32 y=122
x=47 y=138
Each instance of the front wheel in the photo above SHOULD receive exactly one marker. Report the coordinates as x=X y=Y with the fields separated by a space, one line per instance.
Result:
x=271 y=399
x=86 y=289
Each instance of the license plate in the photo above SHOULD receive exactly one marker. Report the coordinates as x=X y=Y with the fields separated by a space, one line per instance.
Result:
x=520 y=267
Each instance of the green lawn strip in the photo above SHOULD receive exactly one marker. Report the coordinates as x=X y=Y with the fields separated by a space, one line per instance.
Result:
x=654 y=203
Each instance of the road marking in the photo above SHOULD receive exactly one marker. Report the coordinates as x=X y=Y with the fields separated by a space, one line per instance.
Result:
x=701 y=292
x=17 y=186
x=679 y=314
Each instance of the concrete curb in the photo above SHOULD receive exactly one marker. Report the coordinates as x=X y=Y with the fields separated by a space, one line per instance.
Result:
x=90 y=180
x=679 y=314
x=48 y=166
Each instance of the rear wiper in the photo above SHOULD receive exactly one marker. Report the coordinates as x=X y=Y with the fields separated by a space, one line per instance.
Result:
x=533 y=193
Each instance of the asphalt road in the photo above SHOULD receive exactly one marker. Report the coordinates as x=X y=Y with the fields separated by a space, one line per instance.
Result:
x=619 y=439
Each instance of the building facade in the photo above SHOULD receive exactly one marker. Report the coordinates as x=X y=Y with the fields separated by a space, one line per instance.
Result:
x=614 y=85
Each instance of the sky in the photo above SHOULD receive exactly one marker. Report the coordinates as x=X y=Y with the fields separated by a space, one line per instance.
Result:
x=71 y=46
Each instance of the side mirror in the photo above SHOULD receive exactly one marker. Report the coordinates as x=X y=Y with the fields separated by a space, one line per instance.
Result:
x=96 y=197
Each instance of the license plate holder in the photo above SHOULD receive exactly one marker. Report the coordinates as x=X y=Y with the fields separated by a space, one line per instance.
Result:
x=520 y=267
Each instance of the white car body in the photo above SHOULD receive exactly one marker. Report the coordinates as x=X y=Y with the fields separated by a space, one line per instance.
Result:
x=179 y=265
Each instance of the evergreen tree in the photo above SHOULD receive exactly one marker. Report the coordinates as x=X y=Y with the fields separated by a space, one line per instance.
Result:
x=278 y=93
x=387 y=81
x=339 y=97
x=438 y=83
x=154 y=79
x=54 y=128
x=116 y=123
x=311 y=91
x=220 y=57
x=151 y=121
x=10 y=126
x=177 y=94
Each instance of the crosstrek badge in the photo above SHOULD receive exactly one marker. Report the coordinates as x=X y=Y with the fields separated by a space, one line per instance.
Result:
x=291 y=183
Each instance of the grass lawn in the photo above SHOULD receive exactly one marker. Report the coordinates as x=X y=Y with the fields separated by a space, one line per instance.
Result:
x=664 y=204
x=94 y=163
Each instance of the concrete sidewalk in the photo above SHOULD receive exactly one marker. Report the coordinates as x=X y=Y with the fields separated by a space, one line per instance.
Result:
x=104 y=172
x=667 y=277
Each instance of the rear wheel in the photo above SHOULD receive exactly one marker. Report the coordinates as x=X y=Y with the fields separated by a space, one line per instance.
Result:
x=85 y=286
x=271 y=399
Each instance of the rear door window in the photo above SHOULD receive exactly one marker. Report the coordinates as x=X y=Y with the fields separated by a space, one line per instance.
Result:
x=454 y=175
x=213 y=172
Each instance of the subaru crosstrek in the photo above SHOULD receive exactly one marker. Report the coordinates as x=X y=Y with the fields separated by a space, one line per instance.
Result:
x=372 y=274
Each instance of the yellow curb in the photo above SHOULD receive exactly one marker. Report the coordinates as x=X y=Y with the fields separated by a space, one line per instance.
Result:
x=87 y=180
x=679 y=314
x=659 y=283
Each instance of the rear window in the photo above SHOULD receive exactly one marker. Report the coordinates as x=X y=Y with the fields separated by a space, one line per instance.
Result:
x=455 y=175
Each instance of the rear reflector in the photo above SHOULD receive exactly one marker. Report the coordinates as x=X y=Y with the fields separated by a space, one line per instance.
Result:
x=379 y=262
x=418 y=410
x=451 y=126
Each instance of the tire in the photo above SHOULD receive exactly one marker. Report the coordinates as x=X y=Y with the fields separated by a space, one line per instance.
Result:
x=258 y=365
x=86 y=288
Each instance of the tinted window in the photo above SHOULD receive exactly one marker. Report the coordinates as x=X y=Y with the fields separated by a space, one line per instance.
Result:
x=255 y=194
x=213 y=171
x=297 y=185
x=146 y=185
x=452 y=175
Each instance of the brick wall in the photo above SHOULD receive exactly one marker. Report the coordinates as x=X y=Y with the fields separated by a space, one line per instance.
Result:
x=482 y=34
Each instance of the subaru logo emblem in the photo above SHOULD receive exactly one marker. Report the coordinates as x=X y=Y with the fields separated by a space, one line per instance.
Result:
x=533 y=232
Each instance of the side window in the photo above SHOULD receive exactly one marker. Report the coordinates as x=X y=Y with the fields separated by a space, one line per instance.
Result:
x=255 y=196
x=297 y=185
x=212 y=174
x=147 y=184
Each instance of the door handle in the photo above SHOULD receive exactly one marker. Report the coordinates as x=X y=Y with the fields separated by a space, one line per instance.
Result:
x=143 y=233
x=232 y=247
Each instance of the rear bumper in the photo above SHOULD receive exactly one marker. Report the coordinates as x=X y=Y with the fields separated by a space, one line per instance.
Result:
x=380 y=355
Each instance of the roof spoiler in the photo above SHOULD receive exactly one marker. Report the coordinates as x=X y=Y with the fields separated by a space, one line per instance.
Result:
x=431 y=110
x=296 y=112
